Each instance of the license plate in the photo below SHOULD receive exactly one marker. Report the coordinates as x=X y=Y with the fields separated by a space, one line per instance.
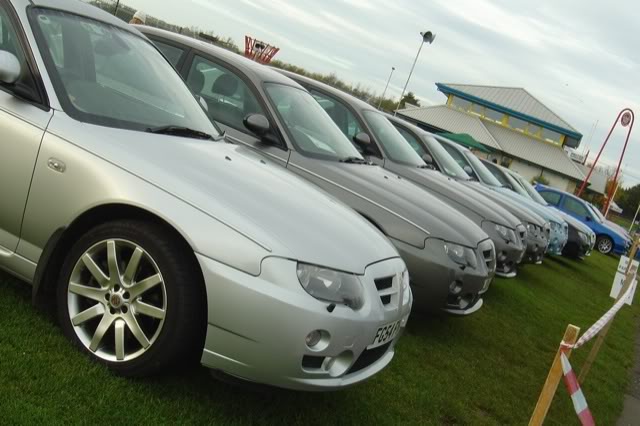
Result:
x=385 y=334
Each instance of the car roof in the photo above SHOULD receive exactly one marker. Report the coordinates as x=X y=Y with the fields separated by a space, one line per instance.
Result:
x=344 y=96
x=82 y=9
x=254 y=70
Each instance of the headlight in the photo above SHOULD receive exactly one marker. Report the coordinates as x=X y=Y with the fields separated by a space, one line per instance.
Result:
x=331 y=286
x=502 y=231
x=406 y=290
x=461 y=255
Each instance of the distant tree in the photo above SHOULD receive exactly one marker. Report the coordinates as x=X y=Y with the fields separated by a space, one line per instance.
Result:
x=409 y=98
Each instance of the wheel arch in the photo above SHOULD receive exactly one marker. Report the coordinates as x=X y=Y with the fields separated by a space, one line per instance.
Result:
x=63 y=238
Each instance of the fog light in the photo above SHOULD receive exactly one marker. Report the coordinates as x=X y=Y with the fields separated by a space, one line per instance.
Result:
x=313 y=338
x=502 y=256
x=455 y=287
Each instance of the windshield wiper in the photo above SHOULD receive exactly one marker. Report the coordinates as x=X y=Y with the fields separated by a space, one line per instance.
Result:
x=353 y=160
x=180 y=131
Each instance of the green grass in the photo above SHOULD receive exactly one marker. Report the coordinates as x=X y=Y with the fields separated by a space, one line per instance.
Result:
x=622 y=221
x=484 y=369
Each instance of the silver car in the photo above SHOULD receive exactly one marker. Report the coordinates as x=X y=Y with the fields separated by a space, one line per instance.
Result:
x=154 y=239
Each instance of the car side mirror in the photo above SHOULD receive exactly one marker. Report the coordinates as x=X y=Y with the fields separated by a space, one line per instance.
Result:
x=257 y=124
x=468 y=170
x=362 y=140
x=10 y=68
x=427 y=159
x=587 y=218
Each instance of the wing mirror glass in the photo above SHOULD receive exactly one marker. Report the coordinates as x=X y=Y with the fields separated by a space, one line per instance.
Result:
x=362 y=140
x=10 y=69
x=257 y=124
x=468 y=170
x=427 y=159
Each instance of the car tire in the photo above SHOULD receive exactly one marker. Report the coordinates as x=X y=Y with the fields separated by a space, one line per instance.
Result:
x=140 y=313
x=604 y=244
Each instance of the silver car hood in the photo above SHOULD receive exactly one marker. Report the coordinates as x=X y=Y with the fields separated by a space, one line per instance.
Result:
x=515 y=208
x=399 y=195
x=459 y=196
x=572 y=221
x=544 y=212
x=241 y=189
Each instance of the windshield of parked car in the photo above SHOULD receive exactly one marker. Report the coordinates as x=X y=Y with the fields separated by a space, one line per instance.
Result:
x=394 y=144
x=108 y=76
x=530 y=190
x=313 y=132
x=481 y=170
x=596 y=212
x=446 y=162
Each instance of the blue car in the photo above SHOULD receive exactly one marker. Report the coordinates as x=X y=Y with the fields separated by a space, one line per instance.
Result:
x=610 y=238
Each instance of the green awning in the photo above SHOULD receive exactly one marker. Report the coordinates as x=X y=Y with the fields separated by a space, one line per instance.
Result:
x=466 y=140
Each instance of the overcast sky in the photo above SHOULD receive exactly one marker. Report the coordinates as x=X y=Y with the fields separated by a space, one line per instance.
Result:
x=580 y=58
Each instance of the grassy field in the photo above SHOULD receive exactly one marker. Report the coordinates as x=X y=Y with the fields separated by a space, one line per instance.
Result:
x=483 y=369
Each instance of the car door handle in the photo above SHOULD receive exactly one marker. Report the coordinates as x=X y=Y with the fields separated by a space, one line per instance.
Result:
x=56 y=165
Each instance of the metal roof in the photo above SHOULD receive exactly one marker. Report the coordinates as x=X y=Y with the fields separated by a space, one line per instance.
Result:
x=512 y=98
x=500 y=138
x=452 y=121
x=598 y=180
x=544 y=154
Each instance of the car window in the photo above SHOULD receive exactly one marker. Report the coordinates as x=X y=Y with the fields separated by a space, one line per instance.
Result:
x=497 y=173
x=413 y=141
x=228 y=97
x=447 y=164
x=109 y=76
x=311 y=130
x=551 y=197
x=9 y=43
x=576 y=207
x=479 y=168
x=460 y=159
x=173 y=53
x=392 y=142
x=344 y=119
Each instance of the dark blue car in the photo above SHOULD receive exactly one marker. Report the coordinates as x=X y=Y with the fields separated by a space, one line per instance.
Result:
x=610 y=237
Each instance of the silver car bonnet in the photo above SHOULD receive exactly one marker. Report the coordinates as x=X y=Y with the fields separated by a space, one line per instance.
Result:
x=513 y=207
x=572 y=221
x=455 y=194
x=398 y=195
x=544 y=212
x=241 y=189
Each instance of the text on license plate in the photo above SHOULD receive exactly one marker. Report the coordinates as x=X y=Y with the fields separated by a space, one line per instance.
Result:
x=385 y=334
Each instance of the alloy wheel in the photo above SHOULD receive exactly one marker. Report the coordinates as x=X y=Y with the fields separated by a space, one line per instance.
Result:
x=605 y=245
x=117 y=300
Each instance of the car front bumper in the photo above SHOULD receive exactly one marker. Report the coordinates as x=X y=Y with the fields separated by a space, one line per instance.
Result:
x=557 y=241
x=578 y=245
x=536 y=247
x=257 y=326
x=438 y=283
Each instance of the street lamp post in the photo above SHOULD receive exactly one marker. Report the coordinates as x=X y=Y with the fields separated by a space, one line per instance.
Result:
x=386 y=87
x=427 y=37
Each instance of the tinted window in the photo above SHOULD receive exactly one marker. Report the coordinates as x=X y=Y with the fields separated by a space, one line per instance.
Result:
x=109 y=76
x=460 y=159
x=551 y=197
x=340 y=114
x=413 y=141
x=311 y=130
x=576 y=207
x=228 y=97
x=481 y=170
x=447 y=164
x=497 y=173
x=393 y=143
x=173 y=54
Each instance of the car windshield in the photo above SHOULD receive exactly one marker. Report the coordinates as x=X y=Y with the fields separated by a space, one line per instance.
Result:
x=108 y=76
x=596 y=212
x=311 y=129
x=481 y=170
x=393 y=143
x=530 y=190
x=444 y=159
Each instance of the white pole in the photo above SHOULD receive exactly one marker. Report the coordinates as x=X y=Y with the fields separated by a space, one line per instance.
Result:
x=409 y=78
x=386 y=87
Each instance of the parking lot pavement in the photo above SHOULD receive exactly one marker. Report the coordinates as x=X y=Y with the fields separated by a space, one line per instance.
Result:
x=631 y=412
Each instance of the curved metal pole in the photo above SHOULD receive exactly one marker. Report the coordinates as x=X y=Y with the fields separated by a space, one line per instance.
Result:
x=615 y=123
x=409 y=78
x=386 y=87
x=615 y=178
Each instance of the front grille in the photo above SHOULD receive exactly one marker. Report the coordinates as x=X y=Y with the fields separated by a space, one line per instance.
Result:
x=388 y=288
x=488 y=254
x=311 y=362
x=368 y=357
x=523 y=236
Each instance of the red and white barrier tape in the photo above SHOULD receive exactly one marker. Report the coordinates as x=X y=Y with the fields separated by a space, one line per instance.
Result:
x=577 y=397
x=601 y=323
